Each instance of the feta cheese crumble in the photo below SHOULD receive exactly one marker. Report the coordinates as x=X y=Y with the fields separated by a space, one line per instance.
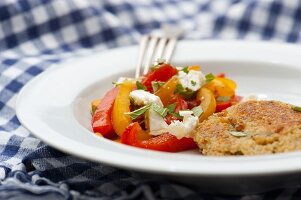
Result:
x=142 y=97
x=192 y=80
x=176 y=128
x=184 y=128
x=123 y=79
x=157 y=124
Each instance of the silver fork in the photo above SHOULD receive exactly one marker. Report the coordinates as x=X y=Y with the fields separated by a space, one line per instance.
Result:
x=152 y=48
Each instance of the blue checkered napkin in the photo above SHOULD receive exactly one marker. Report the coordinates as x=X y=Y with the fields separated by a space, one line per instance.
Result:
x=34 y=34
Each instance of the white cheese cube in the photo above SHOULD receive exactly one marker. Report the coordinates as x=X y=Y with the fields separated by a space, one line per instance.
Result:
x=157 y=125
x=192 y=80
x=142 y=97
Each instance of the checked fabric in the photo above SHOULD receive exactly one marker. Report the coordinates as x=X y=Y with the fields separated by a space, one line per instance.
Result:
x=35 y=34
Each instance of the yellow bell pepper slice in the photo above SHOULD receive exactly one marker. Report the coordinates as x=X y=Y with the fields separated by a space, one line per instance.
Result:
x=194 y=67
x=221 y=87
x=208 y=103
x=230 y=83
x=166 y=91
x=99 y=134
x=121 y=106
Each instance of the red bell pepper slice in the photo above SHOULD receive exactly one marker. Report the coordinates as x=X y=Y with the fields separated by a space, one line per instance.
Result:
x=165 y=142
x=101 y=120
x=163 y=73
x=221 y=75
x=220 y=106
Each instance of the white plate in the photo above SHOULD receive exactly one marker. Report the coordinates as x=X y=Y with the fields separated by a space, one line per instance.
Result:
x=55 y=107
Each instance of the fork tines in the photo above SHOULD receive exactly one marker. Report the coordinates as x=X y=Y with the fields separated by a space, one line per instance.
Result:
x=153 y=48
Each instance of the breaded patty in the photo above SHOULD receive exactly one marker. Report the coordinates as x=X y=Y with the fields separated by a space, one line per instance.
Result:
x=250 y=128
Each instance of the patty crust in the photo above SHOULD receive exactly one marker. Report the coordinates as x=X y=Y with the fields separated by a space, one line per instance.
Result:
x=250 y=128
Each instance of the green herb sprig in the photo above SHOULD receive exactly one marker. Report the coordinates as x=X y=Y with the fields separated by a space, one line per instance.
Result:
x=223 y=99
x=158 y=109
x=116 y=84
x=297 y=108
x=186 y=93
x=193 y=83
x=140 y=111
x=171 y=107
x=156 y=85
x=186 y=70
x=238 y=134
x=197 y=111
x=209 y=77
x=140 y=86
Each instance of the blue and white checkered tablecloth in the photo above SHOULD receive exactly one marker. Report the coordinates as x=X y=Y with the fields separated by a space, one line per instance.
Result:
x=34 y=34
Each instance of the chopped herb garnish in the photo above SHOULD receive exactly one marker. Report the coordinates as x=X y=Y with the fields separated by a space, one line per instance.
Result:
x=223 y=98
x=140 y=111
x=179 y=88
x=115 y=83
x=156 y=85
x=238 y=134
x=177 y=115
x=140 y=86
x=209 y=77
x=161 y=111
x=197 y=111
x=157 y=64
x=154 y=67
x=193 y=83
x=185 y=69
x=297 y=108
x=171 y=107
x=171 y=110
x=186 y=93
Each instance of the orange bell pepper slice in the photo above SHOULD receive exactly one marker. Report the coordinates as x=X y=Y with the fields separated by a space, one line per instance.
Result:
x=208 y=103
x=121 y=106
x=166 y=91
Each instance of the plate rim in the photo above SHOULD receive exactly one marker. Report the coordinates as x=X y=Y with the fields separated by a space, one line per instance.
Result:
x=163 y=170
